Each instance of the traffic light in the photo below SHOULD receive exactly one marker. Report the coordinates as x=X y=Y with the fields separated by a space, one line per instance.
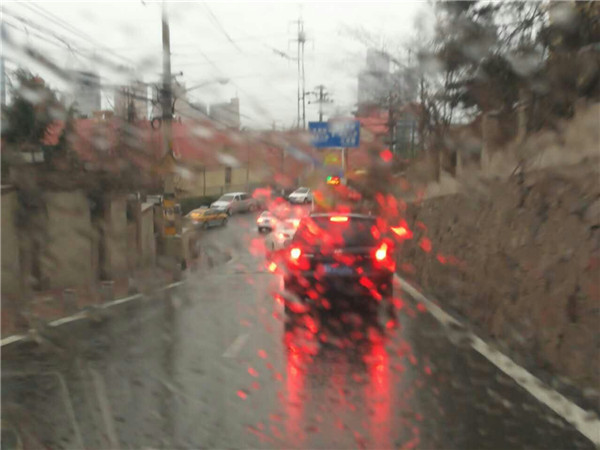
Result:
x=333 y=180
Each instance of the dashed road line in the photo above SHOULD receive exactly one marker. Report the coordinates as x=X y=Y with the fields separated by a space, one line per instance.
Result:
x=236 y=346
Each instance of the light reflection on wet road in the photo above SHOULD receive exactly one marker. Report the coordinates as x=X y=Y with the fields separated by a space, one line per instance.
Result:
x=214 y=367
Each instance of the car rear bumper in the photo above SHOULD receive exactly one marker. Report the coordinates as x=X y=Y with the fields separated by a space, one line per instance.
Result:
x=371 y=287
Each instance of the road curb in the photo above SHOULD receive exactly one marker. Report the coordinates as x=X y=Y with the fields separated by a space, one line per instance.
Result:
x=586 y=422
x=83 y=315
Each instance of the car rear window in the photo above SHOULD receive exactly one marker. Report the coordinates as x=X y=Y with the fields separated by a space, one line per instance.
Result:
x=315 y=232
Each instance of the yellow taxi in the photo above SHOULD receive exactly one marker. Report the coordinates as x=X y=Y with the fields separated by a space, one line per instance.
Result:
x=207 y=217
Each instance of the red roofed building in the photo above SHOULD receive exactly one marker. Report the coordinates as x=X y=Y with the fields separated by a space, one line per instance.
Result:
x=208 y=160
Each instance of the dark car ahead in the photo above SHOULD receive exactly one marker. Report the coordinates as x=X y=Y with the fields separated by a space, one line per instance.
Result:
x=336 y=257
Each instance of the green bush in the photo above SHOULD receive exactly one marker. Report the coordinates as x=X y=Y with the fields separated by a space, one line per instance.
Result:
x=190 y=203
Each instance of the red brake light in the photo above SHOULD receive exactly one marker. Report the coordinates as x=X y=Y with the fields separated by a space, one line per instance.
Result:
x=381 y=252
x=339 y=219
x=295 y=253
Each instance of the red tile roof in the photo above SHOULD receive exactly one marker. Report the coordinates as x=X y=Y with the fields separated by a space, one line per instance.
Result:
x=198 y=143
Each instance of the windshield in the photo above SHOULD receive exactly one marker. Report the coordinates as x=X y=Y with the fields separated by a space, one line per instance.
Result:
x=336 y=232
x=402 y=248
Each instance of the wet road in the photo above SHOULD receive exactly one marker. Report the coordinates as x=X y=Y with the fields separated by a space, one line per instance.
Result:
x=209 y=364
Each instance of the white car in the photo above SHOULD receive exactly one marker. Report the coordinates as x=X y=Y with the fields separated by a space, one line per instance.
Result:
x=282 y=234
x=266 y=221
x=301 y=195
x=235 y=202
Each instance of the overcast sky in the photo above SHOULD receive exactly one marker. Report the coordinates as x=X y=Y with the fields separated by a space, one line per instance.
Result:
x=209 y=40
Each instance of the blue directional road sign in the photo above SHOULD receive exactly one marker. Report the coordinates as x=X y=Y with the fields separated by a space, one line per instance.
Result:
x=343 y=133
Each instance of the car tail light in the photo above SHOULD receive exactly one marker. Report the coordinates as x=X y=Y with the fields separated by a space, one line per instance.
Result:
x=381 y=252
x=297 y=260
x=384 y=257
x=339 y=219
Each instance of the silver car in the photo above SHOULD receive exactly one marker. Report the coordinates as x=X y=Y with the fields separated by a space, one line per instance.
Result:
x=266 y=222
x=282 y=234
x=235 y=202
x=301 y=195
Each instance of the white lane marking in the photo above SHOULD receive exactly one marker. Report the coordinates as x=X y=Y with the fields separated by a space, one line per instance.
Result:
x=235 y=347
x=586 y=422
x=105 y=409
x=121 y=300
x=14 y=338
x=68 y=319
x=83 y=315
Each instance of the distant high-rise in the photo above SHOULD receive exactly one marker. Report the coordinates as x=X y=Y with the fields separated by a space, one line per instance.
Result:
x=131 y=101
x=374 y=81
x=85 y=95
x=227 y=114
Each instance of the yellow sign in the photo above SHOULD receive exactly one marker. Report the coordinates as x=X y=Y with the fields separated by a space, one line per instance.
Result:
x=333 y=159
x=169 y=216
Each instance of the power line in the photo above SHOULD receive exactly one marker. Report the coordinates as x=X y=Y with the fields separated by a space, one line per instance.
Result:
x=70 y=28
x=39 y=35
x=66 y=41
x=49 y=16
x=216 y=21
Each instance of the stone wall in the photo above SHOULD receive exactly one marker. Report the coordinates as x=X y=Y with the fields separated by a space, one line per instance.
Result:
x=11 y=262
x=147 y=239
x=67 y=256
x=520 y=259
x=115 y=237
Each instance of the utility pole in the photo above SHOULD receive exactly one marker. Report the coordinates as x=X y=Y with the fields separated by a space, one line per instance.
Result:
x=301 y=40
x=169 y=228
x=2 y=72
x=322 y=97
x=3 y=81
x=392 y=122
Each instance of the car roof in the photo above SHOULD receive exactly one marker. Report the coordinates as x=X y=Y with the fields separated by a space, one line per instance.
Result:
x=201 y=209
x=235 y=193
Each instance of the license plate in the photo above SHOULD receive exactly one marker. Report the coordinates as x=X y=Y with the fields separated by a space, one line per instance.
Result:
x=338 y=270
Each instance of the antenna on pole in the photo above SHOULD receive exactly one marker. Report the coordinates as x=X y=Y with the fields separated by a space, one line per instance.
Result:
x=322 y=97
x=301 y=41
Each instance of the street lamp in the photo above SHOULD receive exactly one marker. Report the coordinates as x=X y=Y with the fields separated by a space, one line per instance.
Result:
x=209 y=82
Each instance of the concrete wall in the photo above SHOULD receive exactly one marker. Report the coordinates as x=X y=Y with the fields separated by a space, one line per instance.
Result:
x=133 y=256
x=115 y=229
x=214 y=184
x=67 y=257
x=147 y=240
x=11 y=280
x=239 y=176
